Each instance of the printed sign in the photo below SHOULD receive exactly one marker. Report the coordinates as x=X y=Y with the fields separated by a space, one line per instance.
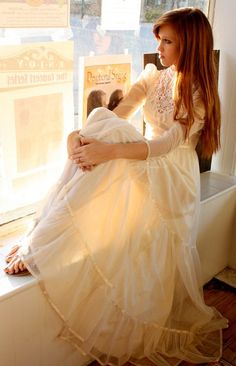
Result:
x=120 y=14
x=36 y=89
x=103 y=79
x=34 y=13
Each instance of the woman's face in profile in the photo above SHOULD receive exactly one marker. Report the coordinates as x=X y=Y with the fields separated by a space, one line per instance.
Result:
x=168 y=46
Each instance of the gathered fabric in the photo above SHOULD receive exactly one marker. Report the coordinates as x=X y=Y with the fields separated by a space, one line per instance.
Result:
x=114 y=250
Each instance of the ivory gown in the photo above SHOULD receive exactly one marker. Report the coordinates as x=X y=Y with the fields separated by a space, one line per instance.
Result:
x=114 y=249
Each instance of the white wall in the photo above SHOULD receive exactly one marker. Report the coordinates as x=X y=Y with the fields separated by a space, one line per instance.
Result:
x=224 y=28
x=232 y=254
x=215 y=234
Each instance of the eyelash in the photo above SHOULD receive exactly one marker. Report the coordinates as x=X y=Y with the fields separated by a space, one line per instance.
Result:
x=166 y=41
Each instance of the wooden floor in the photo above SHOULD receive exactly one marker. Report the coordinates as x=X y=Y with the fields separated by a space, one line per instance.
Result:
x=223 y=298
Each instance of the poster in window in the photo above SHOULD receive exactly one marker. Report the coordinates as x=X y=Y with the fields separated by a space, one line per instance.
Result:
x=103 y=81
x=39 y=130
x=120 y=14
x=37 y=114
x=34 y=13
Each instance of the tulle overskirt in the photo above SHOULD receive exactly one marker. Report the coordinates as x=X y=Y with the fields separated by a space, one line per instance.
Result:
x=114 y=252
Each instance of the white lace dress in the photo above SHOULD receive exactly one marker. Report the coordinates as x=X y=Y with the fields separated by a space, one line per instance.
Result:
x=114 y=249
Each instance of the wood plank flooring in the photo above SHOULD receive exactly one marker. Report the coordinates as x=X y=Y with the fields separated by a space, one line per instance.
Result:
x=223 y=298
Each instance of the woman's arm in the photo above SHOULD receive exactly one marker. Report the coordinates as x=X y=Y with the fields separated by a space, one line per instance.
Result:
x=93 y=152
x=136 y=96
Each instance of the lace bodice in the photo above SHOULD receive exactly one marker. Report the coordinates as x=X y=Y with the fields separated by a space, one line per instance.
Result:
x=154 y=91
x=159 y=106
x=159 y=94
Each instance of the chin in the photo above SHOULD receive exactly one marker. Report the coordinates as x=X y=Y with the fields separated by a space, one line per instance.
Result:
x=163 y=62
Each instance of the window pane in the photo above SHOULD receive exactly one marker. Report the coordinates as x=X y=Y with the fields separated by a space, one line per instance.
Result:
x=36 y=116
x=34 y=128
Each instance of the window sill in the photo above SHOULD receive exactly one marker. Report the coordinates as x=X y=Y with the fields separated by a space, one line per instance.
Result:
x=214 y=184
x=14 y=230
x=11 y=285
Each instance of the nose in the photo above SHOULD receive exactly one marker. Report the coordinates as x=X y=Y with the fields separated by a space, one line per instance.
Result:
x=159 y=47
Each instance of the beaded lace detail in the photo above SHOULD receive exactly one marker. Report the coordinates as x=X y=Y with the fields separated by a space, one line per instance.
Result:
x=160 y=96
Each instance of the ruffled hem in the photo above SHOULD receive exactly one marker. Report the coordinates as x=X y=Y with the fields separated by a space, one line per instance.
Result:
x=115 y=337
x=160 y=345
x=126 y=286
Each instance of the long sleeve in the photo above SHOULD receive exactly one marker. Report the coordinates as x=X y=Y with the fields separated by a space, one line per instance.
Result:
x=132 y=101
x=167 y=142
x=171 y=139
x=136 y=96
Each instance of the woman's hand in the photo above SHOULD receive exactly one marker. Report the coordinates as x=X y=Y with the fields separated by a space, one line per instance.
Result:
x=91 y=152
x=73 y=141
x=88 y=152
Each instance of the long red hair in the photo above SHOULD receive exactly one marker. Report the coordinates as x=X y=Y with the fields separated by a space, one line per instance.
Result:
x=195 y=68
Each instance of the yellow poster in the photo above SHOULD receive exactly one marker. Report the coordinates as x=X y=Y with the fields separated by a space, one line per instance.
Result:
x=37 y=114
x=103 y=81
x=34 y=13
x=39 y=127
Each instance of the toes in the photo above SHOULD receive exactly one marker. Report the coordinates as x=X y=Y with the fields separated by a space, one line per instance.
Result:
x=12 y=252
x=21 y=266
x=9 y=258
x=14 y=249
x=15 y=266
x=8 y=270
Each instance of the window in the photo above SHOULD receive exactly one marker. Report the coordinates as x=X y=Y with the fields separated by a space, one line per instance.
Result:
x=31 y=155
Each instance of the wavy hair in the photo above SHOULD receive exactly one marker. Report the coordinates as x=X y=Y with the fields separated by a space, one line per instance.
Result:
x=195 y=69
x=115 y=98
x=95 y=99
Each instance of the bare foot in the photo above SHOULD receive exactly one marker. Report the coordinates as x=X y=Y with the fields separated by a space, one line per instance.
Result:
x=12 y=253
x=16 y=266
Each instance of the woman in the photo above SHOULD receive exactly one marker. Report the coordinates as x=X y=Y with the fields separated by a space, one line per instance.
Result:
x=115 y=98
x=120 y=237
x=96 y=98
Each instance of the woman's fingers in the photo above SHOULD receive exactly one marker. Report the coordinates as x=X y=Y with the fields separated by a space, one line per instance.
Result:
x=86 y=168
x=87 y=140
x=91 y=153
x=78 y=149
x=81 y=157
x=81 y=153
x=73 y=141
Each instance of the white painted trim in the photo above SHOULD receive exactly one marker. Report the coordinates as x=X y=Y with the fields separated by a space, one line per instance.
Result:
x=215 y=196
x=211 y=11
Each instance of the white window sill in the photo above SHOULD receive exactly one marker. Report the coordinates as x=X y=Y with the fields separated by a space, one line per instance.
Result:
x=10 y=285
x=12 y=231
x=214 y=184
